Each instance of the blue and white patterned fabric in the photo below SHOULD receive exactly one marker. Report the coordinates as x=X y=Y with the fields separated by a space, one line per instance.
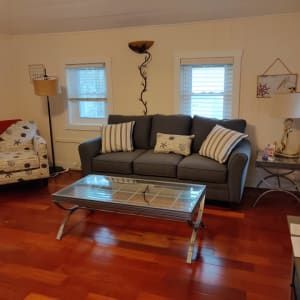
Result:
x=23 y=154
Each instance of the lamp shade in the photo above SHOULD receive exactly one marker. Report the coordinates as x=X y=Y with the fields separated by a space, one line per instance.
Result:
x=140 y=46
x=286 y=105
x=45 y=86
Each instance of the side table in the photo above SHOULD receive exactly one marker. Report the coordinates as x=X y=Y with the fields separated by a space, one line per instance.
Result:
x=272 y=168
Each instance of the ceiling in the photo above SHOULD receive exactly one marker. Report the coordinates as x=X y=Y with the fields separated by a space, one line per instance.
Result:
x=39 y=16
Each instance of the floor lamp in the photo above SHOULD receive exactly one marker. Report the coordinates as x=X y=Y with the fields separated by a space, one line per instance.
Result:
x=47 y=86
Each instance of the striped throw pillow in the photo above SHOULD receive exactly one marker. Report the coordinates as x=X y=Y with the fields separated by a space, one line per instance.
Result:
x=117 y=137
x=220 y=142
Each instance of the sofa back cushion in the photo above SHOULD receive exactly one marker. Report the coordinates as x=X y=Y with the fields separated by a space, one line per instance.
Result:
x=141 y=131
x=171 y=124
x=201 y=127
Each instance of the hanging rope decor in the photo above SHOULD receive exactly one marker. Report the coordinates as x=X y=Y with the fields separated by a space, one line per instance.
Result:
x=142 y=47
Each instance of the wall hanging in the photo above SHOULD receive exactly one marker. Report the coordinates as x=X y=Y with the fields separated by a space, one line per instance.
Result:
x=272 y=84
x=142 y=47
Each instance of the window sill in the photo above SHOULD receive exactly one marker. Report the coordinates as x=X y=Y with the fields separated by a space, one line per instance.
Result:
x=85 y=127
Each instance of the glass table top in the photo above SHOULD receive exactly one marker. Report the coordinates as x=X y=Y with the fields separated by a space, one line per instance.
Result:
x=134 y=192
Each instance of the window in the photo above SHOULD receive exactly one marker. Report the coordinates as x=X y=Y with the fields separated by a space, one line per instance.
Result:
x=87 y=90
x=207 y=87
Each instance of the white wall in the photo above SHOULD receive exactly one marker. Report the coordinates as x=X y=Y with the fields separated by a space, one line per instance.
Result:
x=262 y=39
x=8 y=107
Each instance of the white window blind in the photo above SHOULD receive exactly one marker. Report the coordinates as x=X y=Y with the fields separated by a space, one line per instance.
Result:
x=206 y=87
x=86 y=82
x=87 y=92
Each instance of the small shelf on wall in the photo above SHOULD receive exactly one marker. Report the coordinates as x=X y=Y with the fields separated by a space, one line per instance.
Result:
x=36 y=71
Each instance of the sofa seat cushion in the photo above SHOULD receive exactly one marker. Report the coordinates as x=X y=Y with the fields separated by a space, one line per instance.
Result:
x=202 y=169
x=18 y=161
x=116 y=162
x=157 y=164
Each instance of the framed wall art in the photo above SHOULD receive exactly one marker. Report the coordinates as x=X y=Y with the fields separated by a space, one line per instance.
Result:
x=268 y=85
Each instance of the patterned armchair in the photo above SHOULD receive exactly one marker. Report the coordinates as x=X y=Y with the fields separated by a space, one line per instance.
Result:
x=23 y=152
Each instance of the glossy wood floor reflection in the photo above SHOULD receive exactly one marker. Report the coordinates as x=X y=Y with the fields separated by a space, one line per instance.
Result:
x=245 y=253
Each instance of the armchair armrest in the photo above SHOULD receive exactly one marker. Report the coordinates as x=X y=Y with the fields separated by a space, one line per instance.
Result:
x=40 y=147
x=88 y=150
x=238 y=164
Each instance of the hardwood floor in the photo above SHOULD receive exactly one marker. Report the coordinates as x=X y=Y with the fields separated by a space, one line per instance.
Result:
x=245 y=253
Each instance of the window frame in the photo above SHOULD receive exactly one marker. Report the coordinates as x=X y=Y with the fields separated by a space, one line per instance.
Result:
x=237 y=57
x=89 y=124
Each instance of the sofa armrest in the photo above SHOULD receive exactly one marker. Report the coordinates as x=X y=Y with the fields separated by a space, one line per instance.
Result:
x=238 y=164
x=40 y=147
x=88 y=150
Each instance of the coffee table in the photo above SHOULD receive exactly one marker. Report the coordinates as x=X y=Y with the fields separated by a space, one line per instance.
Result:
x=157 y=199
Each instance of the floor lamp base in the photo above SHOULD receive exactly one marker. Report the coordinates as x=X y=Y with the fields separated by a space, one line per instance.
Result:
x=54 y=171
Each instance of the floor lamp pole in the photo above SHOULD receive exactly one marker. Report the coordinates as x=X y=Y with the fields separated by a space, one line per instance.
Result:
x=53 y=170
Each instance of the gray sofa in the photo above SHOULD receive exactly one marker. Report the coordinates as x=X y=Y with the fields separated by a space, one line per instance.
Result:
x=225 y=182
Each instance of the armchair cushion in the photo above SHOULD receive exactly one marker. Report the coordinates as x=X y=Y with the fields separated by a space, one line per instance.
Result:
x=17 y=161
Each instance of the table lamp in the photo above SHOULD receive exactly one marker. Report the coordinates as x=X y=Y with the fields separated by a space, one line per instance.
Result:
x=47 y=86
x=287 y=106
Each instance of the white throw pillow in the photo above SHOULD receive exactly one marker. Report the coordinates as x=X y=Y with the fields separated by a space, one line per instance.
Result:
x=220 y=142
x=117 y=137
x=179 y=144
